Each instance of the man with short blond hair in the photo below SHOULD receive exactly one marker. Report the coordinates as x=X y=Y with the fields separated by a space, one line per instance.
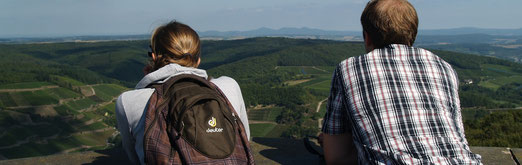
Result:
x=397 y=104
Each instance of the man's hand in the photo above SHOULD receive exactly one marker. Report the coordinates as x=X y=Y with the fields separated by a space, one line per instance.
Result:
x=320 y=139
x=339 y=149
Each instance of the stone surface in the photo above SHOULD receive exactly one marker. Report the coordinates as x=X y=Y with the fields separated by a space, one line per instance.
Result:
x=266 y=151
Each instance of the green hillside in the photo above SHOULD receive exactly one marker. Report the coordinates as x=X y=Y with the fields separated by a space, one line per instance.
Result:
x=62 y=99
x=41 y=118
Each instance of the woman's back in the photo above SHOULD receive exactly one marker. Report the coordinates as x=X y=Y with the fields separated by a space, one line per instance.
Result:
x=175 y=50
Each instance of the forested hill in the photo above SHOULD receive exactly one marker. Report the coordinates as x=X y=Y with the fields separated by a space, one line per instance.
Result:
x=252 y=61
x=285 y=83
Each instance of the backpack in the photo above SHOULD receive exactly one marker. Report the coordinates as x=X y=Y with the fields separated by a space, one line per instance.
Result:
x=190 y=121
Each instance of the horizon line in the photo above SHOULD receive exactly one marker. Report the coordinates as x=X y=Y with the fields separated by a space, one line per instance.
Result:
x=37 y=36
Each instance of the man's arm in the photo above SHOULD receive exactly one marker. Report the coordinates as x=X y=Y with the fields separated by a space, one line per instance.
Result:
x=339 y=149
x=337 y=137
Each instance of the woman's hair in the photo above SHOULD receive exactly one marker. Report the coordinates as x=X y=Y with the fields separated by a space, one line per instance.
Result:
x=177 y=43
x=390 y=22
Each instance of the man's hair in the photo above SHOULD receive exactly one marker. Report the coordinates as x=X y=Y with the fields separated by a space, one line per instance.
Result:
x=175 y=42
x=390 y=22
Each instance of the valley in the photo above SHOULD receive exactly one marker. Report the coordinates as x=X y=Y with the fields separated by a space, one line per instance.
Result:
x=59 y=97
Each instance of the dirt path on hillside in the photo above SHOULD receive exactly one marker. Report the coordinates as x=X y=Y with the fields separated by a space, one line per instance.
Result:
x=96 y=106
x=320 y=120
x=319 y=69
x=319 y=105
x=29 y=89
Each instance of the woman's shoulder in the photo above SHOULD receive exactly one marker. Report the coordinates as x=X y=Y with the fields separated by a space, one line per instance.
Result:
x=134 y=98
x=135 y=94
x=131 y=105
x=225 y=82
x=224 y=78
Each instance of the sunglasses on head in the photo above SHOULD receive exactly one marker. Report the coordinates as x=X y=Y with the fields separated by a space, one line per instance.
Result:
x=150 y=51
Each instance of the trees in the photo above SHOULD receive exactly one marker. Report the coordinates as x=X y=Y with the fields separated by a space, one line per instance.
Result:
x=499 y=129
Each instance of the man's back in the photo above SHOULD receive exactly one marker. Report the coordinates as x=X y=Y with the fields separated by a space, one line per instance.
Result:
x=403 y=107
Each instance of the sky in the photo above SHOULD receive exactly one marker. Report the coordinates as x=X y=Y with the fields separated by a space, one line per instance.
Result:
x=55 y=18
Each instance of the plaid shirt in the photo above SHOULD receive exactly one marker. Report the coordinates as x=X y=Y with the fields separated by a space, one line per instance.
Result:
x=402 y=106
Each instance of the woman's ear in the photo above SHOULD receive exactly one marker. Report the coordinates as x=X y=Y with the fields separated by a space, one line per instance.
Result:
x=199 y=61
x=153 y=56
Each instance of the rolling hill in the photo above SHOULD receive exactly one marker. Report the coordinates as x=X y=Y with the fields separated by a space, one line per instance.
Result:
x=58 y=97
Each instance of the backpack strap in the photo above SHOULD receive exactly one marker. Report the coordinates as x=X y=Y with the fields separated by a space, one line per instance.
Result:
x=239 y=123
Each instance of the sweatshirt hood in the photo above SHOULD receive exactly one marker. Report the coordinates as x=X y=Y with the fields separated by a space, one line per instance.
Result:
x=164 y=73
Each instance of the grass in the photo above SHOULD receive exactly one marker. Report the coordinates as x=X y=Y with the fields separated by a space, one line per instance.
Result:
x=268 y=114
x=313 y=70
x=499 y=81
x=306 y=69
x=80 y=104
x=22 y=132
x=110 y=108
x=317 y=79
x=322 y=86
x=62 y=93
x=56 y=145
x=499 y=69
x=92 y=139
x=107 y=92
x=25 y=85
x=8 y=139
x=277 y=131
x=33 y=98
x=45 y=130
x=92 y=127
x=18 y=99
x=267 y=130
x=473 y=114
x=14 y=134
x=65 y=110
x=261 y=129
x=6 y=119
x=66 y=80
x=6 y=100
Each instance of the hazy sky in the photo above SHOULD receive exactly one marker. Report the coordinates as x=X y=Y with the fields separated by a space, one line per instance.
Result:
x=44 y=18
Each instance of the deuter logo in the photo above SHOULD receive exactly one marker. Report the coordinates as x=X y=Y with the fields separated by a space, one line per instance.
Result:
x=212 y=123
x=213 y=130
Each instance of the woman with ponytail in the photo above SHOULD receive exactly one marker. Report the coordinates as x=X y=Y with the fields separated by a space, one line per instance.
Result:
x=175 y=49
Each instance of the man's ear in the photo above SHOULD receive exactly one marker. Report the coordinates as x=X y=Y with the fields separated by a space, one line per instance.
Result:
x=368 y=43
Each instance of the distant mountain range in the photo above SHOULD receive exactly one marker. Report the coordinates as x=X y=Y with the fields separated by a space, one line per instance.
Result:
x=303 y=32
x=310 y=31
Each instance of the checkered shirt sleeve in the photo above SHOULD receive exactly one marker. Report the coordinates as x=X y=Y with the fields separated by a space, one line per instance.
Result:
x=335 y=120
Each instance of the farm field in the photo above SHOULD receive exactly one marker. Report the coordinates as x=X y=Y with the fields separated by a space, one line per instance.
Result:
x=46 y=117
x=25 y=85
